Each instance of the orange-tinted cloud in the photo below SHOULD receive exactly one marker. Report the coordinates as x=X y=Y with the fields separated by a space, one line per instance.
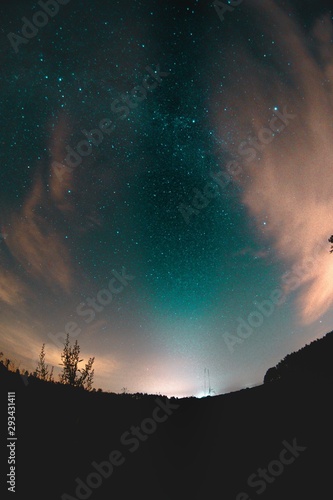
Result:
x=12 y=289
x=36 y=245
x=33 y=237
x=288 y=187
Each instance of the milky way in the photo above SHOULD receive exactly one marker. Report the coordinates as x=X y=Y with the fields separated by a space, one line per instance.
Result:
x=185 y=150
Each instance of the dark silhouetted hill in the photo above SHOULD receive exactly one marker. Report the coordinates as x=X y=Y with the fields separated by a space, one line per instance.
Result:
x=205 y=449
x=313 y=360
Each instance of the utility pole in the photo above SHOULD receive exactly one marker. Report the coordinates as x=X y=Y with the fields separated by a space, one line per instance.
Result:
x=207 y=383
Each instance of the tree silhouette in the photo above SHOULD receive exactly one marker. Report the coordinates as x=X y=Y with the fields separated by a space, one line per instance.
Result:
x=271 y=375
x=70 y=360
x=71 y=374
x=51 y=378
x=7 y=363
x=87 y=375
x=331 y=241
x=42 y=370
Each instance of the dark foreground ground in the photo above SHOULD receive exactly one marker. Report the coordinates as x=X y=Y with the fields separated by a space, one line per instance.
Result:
x=203 y=449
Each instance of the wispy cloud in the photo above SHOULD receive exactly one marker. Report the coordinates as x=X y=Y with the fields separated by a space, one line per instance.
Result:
x=21 y=341
x=289 y=185
x=34 y=240
x=12 y=289
x=36 y=245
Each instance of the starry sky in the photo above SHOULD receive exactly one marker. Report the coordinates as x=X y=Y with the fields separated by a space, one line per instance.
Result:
x=166 y=187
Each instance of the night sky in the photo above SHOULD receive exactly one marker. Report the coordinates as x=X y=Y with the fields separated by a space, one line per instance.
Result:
x=204 y=191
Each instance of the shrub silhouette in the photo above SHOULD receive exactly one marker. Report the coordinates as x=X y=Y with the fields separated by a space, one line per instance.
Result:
x=42 y=370
x=71 y=374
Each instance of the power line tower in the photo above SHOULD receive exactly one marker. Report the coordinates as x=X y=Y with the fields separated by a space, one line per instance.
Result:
x=208 y=391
